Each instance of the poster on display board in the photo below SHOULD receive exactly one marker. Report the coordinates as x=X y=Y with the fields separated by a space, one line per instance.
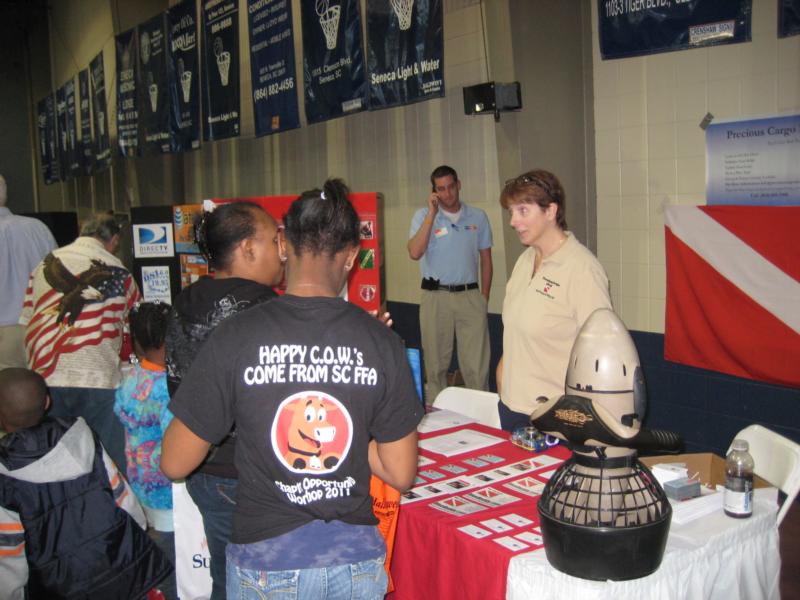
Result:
x=788 y=18
x=156 y=284
x=61 y=132
x=272 y=69
x=102 y=150
x=333 y=59
x=48 y=149
x=405 y=52
x=86 y=149
x=127 y=114
x=637 y=27
x=73 y=154
x=193 y=267
x=754 y=161
x=183 y=218
x=153 y=240
x=184 y=76
x=153 y=91
x=220 y=69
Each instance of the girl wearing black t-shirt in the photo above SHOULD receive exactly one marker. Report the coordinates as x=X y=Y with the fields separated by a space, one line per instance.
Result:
x=323 y=397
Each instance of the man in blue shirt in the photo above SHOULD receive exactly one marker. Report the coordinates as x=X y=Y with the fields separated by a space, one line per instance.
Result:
x=24 y=242
x=453 y=242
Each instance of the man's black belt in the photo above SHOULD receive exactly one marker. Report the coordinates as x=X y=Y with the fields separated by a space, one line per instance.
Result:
x=433 y=285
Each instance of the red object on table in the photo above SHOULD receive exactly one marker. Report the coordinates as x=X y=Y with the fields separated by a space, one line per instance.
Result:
x=433 y=559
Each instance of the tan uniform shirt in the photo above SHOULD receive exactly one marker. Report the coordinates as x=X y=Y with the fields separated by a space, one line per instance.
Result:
x=541 y=319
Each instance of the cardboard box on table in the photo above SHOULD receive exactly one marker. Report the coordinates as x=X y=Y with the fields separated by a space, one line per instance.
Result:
x=709 y=467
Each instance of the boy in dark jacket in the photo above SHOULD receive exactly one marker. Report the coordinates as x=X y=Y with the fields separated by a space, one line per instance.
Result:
x=71 y=526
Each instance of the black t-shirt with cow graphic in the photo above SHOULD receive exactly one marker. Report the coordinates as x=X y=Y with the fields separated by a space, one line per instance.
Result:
x=308 y=382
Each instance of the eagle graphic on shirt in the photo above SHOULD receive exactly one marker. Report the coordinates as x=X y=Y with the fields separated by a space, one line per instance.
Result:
x=96 y=284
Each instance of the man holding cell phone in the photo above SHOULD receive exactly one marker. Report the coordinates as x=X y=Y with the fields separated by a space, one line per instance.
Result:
x=453 y=244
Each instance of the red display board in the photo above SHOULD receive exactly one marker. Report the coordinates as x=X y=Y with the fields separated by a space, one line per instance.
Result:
x=365 y=287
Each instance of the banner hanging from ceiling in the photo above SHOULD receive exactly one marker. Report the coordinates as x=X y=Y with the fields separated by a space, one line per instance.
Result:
x=220 y=69
x=184 y=76
x=637 y=27
x=272 y=69
x=154 y=109
x=127 y=115
x=102 y=149
x=86 y=148
x=61 y=132
x=788 y=18
x=48 y=147
x=73 y=151
x=405 y=51
x=333 y=59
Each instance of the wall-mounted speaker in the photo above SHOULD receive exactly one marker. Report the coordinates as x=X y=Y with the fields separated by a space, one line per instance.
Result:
x=491 y=98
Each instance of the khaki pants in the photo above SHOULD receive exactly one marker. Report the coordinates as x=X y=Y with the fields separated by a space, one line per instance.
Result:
x=12 y=347
x=441 y=314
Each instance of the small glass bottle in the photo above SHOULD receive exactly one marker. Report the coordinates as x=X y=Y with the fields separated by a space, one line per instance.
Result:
x=739 y=481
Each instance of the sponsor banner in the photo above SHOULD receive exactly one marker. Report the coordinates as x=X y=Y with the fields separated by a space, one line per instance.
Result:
x=184 y=76
x=102 y=150
x=73 y=151
x=220 y=70
x=733 y=288
x=754 y=161
x=154 y=109
x=61 y=132
x=127 y=114
x=636 y=27
x=86 y=148
x=153 y=240
x=405 y=51
x=788 y=18
x=155 y=284
x=183 y=218
x=193 y=267
x=272 y=68
x=48 y=149
x=333 y=60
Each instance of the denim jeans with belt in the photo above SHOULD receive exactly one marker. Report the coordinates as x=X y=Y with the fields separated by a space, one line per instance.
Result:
x=215 y=498
x=366 y=580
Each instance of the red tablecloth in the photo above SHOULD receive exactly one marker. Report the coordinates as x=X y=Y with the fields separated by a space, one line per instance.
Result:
x=433 y=559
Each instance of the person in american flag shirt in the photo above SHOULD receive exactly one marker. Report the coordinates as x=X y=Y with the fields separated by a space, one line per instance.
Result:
x=75 y=312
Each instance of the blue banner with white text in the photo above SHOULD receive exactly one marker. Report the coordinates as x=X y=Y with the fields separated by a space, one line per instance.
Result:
x=637 y=27
x=788 y=18
x=48 y=143
x=220 y=69
x=73 y=151
x=86 y=148
x=405 y=51
x=333 y=59
x=153 y=89
x=102 y=149
x=61 y=135
x=127 y=113
x=184 y=76
x=272 y=68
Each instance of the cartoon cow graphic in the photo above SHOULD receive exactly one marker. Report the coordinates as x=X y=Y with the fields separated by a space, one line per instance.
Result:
x=308 y=431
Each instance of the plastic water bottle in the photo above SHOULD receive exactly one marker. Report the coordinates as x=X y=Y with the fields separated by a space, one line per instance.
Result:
x=739 y=481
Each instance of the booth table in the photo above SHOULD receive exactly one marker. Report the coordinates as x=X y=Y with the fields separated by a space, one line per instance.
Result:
x=434 y=558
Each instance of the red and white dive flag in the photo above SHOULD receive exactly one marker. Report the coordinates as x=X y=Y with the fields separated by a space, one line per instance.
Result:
x=733 y=290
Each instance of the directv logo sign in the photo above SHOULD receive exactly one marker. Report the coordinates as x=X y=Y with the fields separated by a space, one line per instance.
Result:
x=153 y=240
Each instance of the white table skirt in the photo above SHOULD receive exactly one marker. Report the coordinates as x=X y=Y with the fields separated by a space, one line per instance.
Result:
x=712 y=557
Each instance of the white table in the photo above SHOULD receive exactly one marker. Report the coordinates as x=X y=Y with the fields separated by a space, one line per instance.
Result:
x=712 y=557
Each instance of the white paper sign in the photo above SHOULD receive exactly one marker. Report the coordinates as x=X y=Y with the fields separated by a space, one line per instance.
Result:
x=155 y=284
x=153 y=240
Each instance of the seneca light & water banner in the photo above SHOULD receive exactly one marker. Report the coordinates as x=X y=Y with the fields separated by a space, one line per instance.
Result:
x=102 y=150
x=184 y=76
x=48 y=149
x=154 y=110
x=405 y=51
x=333 y=59
x=220 y=69
x=86 y=149
x=61 y=135
x=636 y=27
x=73 y=154
x=754 y=161
x=127 y=115
x=272 y=69
x=788 y=18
